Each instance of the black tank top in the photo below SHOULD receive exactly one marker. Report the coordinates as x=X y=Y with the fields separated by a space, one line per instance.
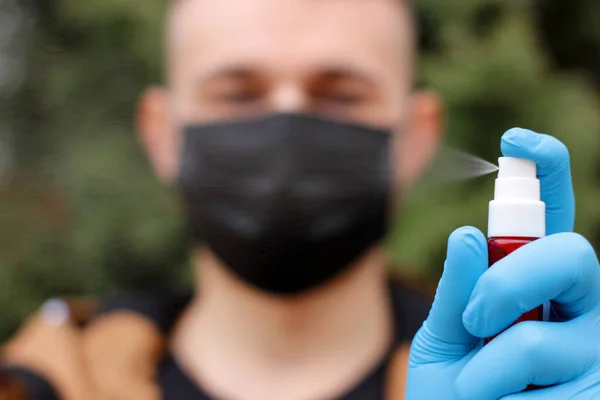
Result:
x=410 y=310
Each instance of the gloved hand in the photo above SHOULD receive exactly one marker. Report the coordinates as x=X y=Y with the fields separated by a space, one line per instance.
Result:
x=447 y=360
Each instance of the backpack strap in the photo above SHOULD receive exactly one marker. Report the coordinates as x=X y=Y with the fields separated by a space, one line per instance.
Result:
x=396 y=374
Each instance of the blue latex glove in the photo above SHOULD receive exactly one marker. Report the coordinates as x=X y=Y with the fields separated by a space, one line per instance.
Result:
x=447 y=360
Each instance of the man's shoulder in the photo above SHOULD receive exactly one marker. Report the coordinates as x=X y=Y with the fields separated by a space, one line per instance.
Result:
x=162 y=308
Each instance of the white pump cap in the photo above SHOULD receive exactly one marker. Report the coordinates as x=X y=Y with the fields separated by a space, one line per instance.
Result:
x=516 y=209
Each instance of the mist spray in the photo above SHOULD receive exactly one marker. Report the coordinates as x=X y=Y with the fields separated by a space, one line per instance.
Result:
x=517 y=217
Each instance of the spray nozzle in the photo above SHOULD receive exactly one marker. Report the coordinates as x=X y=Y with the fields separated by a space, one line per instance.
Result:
x=510 y=167
x=517 y=180
x=516 y=209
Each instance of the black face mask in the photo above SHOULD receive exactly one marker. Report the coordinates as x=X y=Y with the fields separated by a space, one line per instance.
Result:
x=286 y=201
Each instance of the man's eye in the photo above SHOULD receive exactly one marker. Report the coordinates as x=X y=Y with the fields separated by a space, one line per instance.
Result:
x=238 y=97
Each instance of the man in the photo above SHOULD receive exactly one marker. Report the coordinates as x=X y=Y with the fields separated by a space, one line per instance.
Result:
x=289 y=128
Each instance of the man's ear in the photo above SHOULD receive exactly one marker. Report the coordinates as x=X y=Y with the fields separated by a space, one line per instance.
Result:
x=157 y=134
x=418 y=143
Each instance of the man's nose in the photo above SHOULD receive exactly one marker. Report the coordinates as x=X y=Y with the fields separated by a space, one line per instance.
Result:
x=289 y=98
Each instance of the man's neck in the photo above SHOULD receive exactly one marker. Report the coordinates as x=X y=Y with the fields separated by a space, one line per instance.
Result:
x=337 y=332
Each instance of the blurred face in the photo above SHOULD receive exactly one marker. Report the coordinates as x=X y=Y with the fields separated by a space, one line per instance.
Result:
x=347 y=59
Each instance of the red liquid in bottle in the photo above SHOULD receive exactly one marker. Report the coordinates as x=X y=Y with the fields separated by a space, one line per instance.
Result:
x=498 y=248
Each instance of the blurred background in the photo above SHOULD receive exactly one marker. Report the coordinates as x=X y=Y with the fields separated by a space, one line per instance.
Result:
x=81 y=213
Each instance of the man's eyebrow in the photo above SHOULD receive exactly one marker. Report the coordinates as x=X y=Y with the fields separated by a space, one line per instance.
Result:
x=330 y=73
x=232 y=71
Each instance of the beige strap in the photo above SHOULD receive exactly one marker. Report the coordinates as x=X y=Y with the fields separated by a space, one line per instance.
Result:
x=397 y=372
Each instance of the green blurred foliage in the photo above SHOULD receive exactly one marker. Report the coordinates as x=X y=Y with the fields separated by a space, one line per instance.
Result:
x=496 y=68
x=83 y=213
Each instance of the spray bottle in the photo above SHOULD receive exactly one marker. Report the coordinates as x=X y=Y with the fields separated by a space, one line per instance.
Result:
x=517 y=216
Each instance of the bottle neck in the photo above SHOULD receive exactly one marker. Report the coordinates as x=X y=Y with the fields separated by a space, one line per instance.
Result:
x=525 y=218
